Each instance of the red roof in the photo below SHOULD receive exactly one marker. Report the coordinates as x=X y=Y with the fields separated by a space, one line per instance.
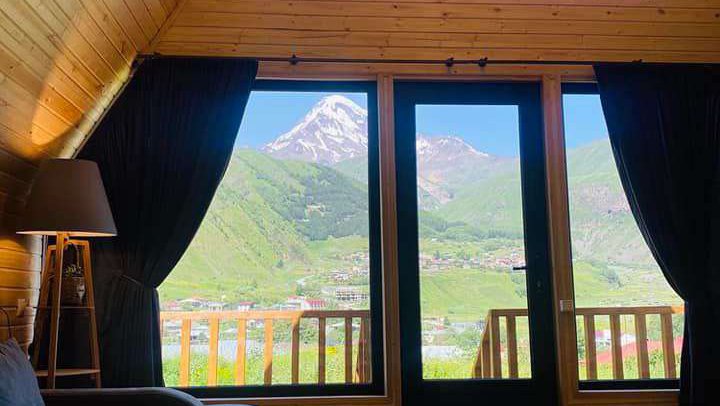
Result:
x=631 y=350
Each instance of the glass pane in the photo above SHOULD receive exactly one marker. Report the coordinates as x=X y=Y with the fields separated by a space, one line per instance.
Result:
x=623 y=302
x=471 y=237
x=282 y=256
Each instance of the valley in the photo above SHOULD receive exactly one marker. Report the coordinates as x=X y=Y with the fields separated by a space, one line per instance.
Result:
x=297 y=210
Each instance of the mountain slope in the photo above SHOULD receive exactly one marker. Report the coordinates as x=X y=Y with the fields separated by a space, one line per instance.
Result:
x=263 y=216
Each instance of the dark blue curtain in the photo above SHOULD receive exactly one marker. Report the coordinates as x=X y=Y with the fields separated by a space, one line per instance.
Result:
x=664 y=126
x=162 y=150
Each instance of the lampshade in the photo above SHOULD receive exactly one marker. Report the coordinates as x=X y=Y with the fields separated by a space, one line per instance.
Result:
x=68 y=196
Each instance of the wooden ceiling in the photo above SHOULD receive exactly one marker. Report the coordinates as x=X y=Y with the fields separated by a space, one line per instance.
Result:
x=568 y=30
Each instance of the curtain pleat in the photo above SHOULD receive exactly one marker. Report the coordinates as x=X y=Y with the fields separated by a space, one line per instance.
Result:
x=162 y=150
x=664 y=126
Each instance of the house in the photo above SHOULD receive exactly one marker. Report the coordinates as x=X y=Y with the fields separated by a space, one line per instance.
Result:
x=193 y=303
x=350 y=294
x=303 y=303
x=313 y=304
x=245 y=306
x=604 y=337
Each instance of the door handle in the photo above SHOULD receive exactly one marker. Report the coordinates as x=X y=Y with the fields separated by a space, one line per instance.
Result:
x=519 y=268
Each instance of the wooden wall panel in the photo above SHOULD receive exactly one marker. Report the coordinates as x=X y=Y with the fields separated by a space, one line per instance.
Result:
x=61 y=64
x=567 y=30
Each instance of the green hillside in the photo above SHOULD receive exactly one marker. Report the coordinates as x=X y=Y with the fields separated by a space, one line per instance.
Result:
x=257 y=237
x=278 y=228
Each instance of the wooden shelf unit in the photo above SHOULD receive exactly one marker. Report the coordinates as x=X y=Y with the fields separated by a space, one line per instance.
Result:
x=50 y=305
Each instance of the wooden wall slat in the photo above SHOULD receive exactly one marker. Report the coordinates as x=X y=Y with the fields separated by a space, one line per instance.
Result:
x=444 y=25
x=316 y=51
x=157 y=11
x=597 y=3
x=450 y=10
x=111 y=28
x=140 y=13
x=436 y=40
x=47 y=26
x=120 y=12
x=79 y=17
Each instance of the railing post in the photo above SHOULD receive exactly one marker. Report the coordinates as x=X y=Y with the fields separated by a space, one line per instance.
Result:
x=477 y=366
x=641 y=345
x=496 y=359
x=511 y=331
x=486 y=372
x=362 y=368
x=590 y=347
x=295 y=351
x=268 y=352
x=668 y=345
x=185 y=352
x=240 y=353
x=348 y=350
x=213 y=351
x=321 y=350
x=616 y=346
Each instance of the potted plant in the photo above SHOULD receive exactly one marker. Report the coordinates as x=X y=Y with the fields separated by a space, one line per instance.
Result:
x=73 y=282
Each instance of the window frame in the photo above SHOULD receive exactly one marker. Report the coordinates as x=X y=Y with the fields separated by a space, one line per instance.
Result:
x=570 y=88
x=377 y=330
x=528 y=98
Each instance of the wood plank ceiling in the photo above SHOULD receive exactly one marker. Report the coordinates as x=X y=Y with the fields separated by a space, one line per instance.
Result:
x=63 y=61
x=569 y=30
x=61 y=64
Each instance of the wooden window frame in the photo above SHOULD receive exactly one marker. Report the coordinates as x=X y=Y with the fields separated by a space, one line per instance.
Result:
x=552 y=77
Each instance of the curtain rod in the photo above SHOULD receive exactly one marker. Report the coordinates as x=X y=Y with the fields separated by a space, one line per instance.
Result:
x=449 y=62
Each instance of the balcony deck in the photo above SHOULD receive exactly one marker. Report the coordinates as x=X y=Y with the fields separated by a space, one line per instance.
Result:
x=495 y=353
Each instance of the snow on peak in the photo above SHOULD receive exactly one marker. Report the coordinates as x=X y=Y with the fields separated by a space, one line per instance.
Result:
x=334 y=130
x=448 y=146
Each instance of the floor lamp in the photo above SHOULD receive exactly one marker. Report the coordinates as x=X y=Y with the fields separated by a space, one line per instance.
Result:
x=67 y=200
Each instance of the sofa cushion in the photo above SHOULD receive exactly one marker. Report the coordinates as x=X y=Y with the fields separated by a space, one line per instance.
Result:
x=18 y=385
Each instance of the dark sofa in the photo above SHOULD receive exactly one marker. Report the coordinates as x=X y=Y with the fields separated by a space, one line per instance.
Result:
x=117 y=397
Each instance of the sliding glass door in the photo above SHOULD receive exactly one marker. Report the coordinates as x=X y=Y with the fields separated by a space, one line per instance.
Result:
x=475 y=308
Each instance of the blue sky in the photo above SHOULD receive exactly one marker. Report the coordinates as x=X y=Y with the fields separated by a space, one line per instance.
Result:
x=270 y=114
x=491 y=129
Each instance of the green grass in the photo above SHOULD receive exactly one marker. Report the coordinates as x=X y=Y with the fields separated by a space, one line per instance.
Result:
x=254 y=372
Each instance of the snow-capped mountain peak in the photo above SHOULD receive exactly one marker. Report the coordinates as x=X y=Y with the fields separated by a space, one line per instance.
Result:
x=334 y=130
x=449 y=147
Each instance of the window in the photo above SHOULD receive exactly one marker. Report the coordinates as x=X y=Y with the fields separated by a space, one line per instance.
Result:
x=471 y=239
x=629 y=320
x=279 y=291
x=472 y=244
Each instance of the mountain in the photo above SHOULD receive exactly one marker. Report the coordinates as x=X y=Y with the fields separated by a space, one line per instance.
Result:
x=333 y=131
x=447 y=164
x=298 y=209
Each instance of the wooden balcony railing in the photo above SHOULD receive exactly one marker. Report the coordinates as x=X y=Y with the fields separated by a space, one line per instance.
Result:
x=488 y=361
x=361 y=373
